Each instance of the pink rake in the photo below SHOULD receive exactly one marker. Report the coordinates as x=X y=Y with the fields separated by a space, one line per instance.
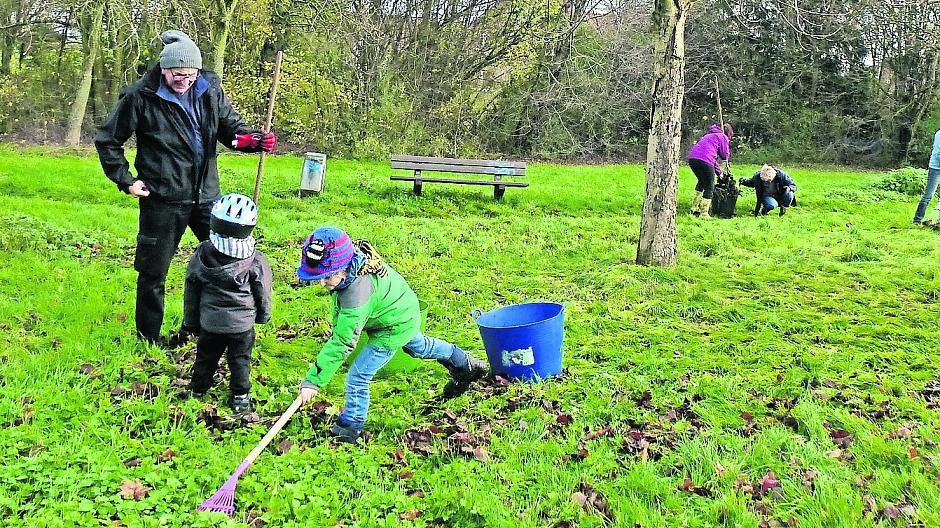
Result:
x=224 y=499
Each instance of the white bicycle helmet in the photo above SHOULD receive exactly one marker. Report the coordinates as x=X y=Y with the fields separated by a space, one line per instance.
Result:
x=233 y=218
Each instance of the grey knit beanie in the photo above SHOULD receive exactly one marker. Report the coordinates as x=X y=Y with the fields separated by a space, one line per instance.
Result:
x=179 y=51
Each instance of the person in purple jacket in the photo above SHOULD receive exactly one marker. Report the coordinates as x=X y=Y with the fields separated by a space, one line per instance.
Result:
x=705 y=159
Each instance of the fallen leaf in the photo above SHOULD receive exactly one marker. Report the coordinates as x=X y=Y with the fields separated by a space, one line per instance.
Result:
x=132 y=462
x=284 y=446
x=769 y=482
x=581 y=499
x=251 y=418
x=410 y=515
x=912 y=453
x=809 y=477
x=687 y=485
x=253 y=520
x=166 y=455
x=405 y=474
x=593 y=501
x=841 y=438
x=834 y=453
x=88 y=369
x=581 y=453
x=133 y=489
x=891 y=511
x=747 y=417
x=645 y=400
x=719 y=469
x=480 y=454
x=122 y=317
x=605 y=431
x=564 y=419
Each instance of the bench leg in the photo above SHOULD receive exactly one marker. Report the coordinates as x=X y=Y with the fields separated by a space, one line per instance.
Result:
x=498 y=192
x=417 y=188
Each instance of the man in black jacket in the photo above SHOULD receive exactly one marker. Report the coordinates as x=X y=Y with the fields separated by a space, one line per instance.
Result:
x=774 y=188
x=178 y=113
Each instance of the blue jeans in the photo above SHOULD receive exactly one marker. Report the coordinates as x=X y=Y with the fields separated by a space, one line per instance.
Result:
x=372 y=358
x=770 y=202
x=933 y=178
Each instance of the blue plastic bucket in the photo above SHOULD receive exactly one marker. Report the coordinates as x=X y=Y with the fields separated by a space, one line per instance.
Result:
x=524 y=341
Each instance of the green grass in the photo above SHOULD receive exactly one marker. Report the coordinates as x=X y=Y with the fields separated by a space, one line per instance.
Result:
x=823 y=320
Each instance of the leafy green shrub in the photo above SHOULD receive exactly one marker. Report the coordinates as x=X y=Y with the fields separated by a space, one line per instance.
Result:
x=908 y=180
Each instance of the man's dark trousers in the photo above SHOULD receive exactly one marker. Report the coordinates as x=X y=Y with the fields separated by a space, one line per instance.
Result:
x=161 y=226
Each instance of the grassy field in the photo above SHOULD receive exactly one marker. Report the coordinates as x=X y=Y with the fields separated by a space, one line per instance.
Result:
x=785 y=373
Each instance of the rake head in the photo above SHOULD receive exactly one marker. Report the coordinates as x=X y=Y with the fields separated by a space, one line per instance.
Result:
x=223 y=500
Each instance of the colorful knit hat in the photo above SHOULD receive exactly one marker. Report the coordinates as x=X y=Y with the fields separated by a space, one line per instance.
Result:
x=328 y=250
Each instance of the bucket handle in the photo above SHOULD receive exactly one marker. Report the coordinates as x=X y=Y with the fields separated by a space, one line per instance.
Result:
x=476 y=313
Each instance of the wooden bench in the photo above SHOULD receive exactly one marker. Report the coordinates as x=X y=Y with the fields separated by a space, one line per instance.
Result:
x=497 y=169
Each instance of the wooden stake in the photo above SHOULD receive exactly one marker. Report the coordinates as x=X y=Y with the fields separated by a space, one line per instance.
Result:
x=721 y=117
x=267 y=122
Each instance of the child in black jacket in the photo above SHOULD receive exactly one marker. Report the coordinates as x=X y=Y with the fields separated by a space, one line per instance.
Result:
x=228 y=290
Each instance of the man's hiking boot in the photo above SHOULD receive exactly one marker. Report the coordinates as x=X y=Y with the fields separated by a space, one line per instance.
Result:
x=783 y=211
x=462 y=377
x=241 y=404
x=348 y=434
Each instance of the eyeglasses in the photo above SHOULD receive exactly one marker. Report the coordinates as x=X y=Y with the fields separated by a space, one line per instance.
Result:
x=179 y=76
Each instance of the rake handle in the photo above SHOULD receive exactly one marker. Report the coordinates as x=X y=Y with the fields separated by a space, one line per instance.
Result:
x=267 y=122
x=276 y=428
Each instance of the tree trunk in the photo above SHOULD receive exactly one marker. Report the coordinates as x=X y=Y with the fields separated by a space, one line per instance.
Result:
x=77 y=112
x=220 y=34
x=657 y=245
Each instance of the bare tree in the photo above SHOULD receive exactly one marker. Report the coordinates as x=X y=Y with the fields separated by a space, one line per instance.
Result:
x=657 y=244
x=91 y=32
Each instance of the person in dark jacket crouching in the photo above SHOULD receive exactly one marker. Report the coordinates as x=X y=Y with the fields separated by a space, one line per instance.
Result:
x=228 y=290
x=774 y=189
x=178 y=112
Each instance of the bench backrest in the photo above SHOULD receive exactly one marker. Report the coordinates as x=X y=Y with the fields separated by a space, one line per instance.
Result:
x=465 y=166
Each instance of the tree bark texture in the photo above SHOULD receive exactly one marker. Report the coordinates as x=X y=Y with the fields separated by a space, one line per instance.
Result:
x=220 y=32
x=79 y=105
x=657 y=244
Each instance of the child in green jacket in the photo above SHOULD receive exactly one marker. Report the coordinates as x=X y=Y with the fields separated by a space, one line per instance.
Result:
x=369 y=295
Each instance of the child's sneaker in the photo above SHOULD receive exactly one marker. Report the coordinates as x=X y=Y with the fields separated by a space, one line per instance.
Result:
x=345 y=432
x=463 y=377
x=241 y=404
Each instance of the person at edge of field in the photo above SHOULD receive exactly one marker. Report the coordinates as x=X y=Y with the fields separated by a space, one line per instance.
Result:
x=933 y=178
x=774 y=188
x=368 y=295
x=227 y=291
x=178 y=112
x=705 y=159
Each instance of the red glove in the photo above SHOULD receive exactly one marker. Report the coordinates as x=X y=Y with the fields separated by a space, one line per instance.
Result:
x=255 y=142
